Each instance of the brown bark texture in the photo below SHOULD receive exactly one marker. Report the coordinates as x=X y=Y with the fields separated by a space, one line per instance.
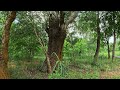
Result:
x=5 y=41
x=56 y=31
x=108 y=49
x=113 y=51
x=98 y=41
x=57 y=35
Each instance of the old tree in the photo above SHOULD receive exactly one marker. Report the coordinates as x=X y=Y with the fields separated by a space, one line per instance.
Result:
x=56 y=30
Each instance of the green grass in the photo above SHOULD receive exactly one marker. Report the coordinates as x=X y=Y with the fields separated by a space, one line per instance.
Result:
x=26 y=70
x=80 y=68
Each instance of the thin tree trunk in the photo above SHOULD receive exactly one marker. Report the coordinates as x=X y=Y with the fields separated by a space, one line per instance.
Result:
x=5 y=42
x=98 y=41
x=113 y=51
x=97 y=48
x=108 y=49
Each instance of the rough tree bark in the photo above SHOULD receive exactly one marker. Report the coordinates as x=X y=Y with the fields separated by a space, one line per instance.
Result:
x=5 y=41
x=108 y=49
x=113 y=51
x=57 y=34
x=98 y=41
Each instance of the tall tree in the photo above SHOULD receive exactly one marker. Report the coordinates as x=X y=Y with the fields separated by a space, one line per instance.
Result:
x=108 y=49
x=116 y=27
x=113 y=21
x=5 y=41
x=89 y=22
x=98 y=38
x=108 y=28
x=114 y=43
x=56 y=31
x=107 y=35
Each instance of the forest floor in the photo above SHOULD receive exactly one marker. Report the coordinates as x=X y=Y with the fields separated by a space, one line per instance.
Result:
x=79 y=69
x=26 y=70
x=112 y=74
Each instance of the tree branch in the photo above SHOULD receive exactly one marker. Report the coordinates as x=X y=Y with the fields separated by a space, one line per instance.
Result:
x=72 y=17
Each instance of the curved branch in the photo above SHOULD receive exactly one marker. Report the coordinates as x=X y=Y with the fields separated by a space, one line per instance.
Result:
x=6 y=34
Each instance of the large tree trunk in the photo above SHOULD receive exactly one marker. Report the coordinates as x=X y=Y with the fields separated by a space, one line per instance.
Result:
x=5 y=42
x=113 y=51
x=57 y=35
x=98 y=41
x=108 y=49
x=55 y=47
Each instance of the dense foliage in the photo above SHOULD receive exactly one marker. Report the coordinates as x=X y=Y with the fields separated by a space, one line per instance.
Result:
x=29 y=39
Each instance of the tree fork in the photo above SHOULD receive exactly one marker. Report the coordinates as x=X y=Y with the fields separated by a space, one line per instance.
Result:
x=57 y=34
